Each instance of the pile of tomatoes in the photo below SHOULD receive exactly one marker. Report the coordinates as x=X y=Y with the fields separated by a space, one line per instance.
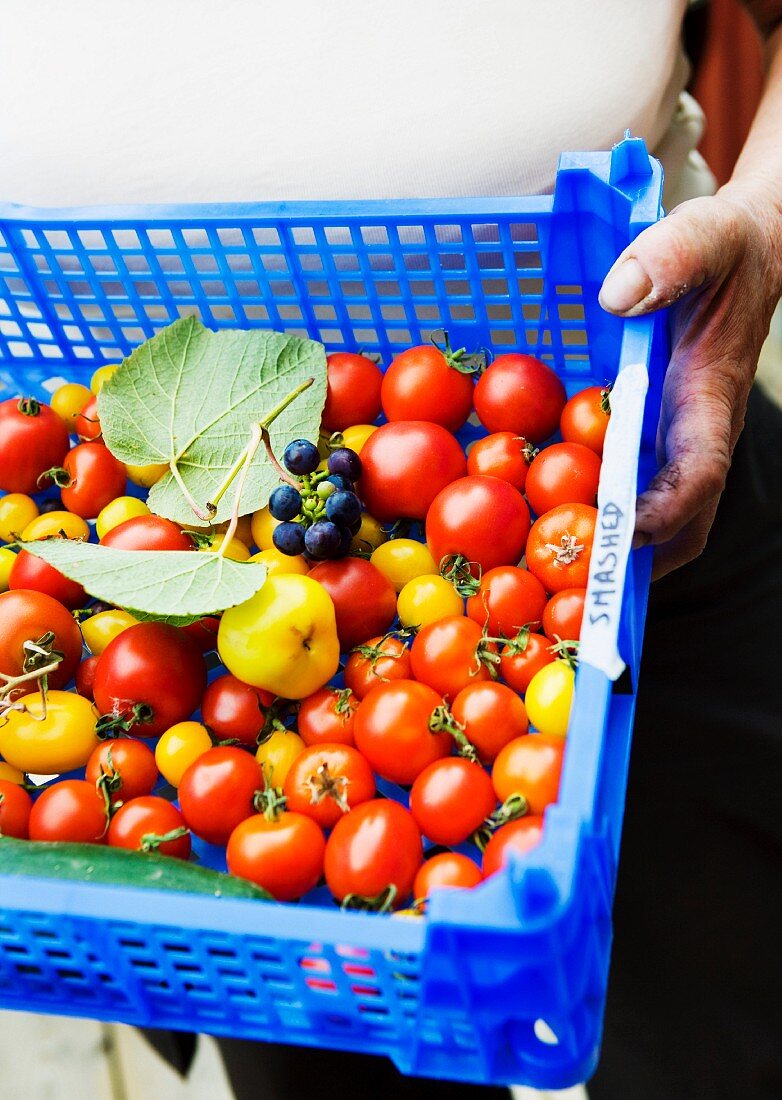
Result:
x=390 y=721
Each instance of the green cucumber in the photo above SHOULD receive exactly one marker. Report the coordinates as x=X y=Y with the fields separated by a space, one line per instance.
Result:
x=119 y=867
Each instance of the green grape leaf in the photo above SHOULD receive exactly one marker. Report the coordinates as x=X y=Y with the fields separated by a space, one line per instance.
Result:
x=173 y=586
x=188 y=397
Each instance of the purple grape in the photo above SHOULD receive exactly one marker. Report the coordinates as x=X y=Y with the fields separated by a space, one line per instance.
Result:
x=323 y=539
x=285 y=502
x=289 y=538
x=346 y=462
x=301 y=457
x=343 y=508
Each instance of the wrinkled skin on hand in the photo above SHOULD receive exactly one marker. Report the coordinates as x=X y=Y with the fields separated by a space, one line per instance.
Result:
x=718 y=260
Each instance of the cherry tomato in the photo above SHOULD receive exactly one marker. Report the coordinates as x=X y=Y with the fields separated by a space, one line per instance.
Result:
x=276 y=755
x=179 y=747
x=263 y=524
x=101 y=629
x=203 y=633
x=392 y=728
x=427 y=599
x=149 y=677
x=7 y=562
x=559 y=546
x=517 y=836
x=450 y=799
x=277 y=562
x=549 y=698
x=422 y=384
x=234 y=710
x=85 y=677
x=503 y=455
x=68 y=400
x=523 y=657
x=25 y=617
x=146 y=476
x=353 y=391
x=11 y=774
x=87 y=422
x=508 y=599
x=15 y=807
x=117 y=511
x=394 y=458
x=33 y=439
x=102 y=375
x=326 y=781
x=446 y=869
x=402 y=560
x=217 y=792
x=56 y=524
x=70 y=810
x=375 y=846
x=147 y=533
x=129 y=762
x=446 y=655
x=139 y=823
x=530 y=766
x=364 y=601
x=565 y=473
x=327 y=717
x=585 y=418
x=377 y=661
x=369 y=536
x=93 y=478
x=16 y=511
x=236 y=550
x=284 y=856
x=520 y=394
x=35 y=574
x=356 y=436
x=53 y=740
x=492 y=715
x=564 y=613
x=483 y=518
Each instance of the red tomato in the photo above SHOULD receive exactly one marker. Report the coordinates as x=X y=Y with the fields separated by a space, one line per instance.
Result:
x=392 y=730
x=353 y=391
x=327 y=717
x=375 y=846
x=492 y=715
x=70 y=810
x=405 y=465
x=422 y=384
x=326 y=781
x=152 y=666
x=517 y=836
x=446 y=869
x=32 y=439
x=36 y=574
x=450 y=799
x=518 y=666
x=364 y=601
x=564 y=613
x=284 y=856
x=508 y=599
x=218 y=790
x=203 y=632
x=483 y=518
x=530 y=766
x=520 y=394
x=503 y=455
x=234 y=710
x=138 y=823
x=446 y=655
x=129 y=762
x=85 y=677
x=87 y=422
x=94 y=478
x=27 y=616
x=147 y=533
x=585 y=418
x=375 y=662
x=564 y=473
x=15 y=807
x=560 y=545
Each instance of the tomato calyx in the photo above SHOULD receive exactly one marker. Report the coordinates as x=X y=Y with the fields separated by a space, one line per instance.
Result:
x=514 y=807
x=568 y=550
x=271 y=801
x=115 y=724
x=518 y=643
x=342 y=705
x=40 y=659
x=376 y=652
x=28 y=406
x=322 y=785
x=150 y=842
x=464 y=575
x=566 y=650
x=459 y=360
x=380 y=903
x=605 y=398
x=57 y=474
x=272 y=723
x=443 y=721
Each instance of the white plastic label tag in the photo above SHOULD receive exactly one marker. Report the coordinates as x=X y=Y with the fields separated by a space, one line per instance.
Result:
x=615 y=523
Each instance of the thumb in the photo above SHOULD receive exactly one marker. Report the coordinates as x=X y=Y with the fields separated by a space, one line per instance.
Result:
x=670 y=258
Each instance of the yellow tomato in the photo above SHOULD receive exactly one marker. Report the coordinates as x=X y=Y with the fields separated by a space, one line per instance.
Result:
x=7 y=559
x=283 y=639
x=277 y=562
x=370 y=534
x=236 y=551
x=58 y=742
x=355 y=437
x=277 y=754
x=426 y=599
x=179 y=747
x=102 y=375
x=549 y=698
x=11 y=774
x=104 y=627
x=117 y=511
x=55 y=525
x=262 y=525
x=146 y=476
x=16 y=512
x=244 y=529
x=68 y=401
x=402 y=560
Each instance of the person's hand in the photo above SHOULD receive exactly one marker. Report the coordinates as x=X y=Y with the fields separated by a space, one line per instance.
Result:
x=720 y=260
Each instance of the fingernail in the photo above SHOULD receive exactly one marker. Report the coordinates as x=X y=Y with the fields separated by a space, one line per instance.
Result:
x=641 y=538
x=624 y=287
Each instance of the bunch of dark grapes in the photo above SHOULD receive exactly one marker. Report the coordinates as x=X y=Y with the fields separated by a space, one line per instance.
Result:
x=321 y=516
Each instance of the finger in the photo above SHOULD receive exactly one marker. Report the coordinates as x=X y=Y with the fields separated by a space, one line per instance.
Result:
x=687 y=544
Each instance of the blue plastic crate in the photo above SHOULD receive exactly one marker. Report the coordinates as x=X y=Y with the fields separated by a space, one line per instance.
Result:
x=505 y=983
